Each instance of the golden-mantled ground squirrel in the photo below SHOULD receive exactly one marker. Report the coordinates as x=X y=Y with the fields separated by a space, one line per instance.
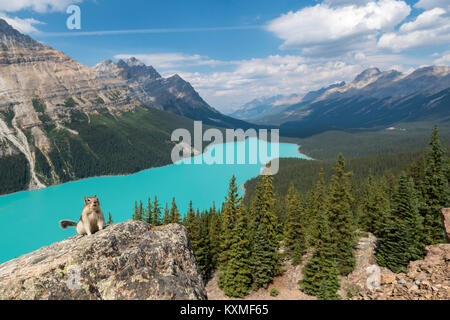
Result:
x=91 y=219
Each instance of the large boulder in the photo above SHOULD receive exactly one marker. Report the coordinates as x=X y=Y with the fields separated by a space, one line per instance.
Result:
x=129 y=260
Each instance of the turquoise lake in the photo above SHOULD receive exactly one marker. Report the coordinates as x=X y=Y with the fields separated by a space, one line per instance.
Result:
x=30 y=218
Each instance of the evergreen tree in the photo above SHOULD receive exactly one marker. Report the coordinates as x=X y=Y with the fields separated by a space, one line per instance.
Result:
x=375 y=206
x=214 y=235
x=294 y=232
x=320 y=275
x=339 y=212
x=417 y=170
x=141 y=211
x=156 y=213
x=166 y=217
x=137 y=214
x=403 y=241
x=237 y=277
x=317 y=201
x=202 y=245
x=191 y=221
x=435 y=191
x=175 y=216
x=265 y=260
x=229 y=214
x=147 y=215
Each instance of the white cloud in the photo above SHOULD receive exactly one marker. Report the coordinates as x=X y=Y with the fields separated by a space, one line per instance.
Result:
x=172 y=60
x=265 y=77
x=284 y=74
x=325 y=30
x=430 y=4
x=22 y=25
x=430 y=28
x=40 y=6
x=444 y=59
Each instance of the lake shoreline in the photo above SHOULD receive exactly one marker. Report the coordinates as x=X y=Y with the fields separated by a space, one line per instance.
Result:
x=150 y=168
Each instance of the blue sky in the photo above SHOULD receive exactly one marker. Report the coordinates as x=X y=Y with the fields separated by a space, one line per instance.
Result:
x=234 y=51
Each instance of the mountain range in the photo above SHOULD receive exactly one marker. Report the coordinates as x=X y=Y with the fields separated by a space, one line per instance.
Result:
x=372 y=99
x=259 y=109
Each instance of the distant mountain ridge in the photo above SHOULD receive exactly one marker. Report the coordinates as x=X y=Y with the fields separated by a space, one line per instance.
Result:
x=262 y=108
x=258 y=108
x=373 y=98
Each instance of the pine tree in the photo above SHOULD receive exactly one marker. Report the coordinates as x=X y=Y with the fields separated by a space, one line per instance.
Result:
x=156 y=213
x=417 y=170
x=435 y=191
x=175 y=216
x=376 y=206
x=294 y=232
x=166 y=217
x=202 y=244
x=229 y=214
x=214 y=235
x=147 y=215
x=191 y=221
x=317 y=201
x=339 y=212
x=141 y=211
x=320 y=275
x=136 y=216
x=237 y=277
x=265 y=260
x=403 y=240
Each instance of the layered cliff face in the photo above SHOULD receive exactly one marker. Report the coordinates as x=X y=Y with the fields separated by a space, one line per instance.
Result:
x=30 y=70
x=129 y=260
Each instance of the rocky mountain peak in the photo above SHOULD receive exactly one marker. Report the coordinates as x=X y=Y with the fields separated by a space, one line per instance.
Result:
x=10 y=35
x=107 y=66
x=367 y=74
x=133 y=68
x=430 y=71
x=133 y=62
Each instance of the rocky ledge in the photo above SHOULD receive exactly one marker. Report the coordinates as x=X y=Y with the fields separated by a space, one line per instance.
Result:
x=426 y=279
x=129 y=260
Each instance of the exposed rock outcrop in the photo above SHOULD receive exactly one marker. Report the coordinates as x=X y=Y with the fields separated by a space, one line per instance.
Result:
x=129 y=260
x=427 y=279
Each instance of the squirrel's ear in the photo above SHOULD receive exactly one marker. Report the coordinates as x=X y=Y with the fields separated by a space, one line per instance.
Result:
x=85 y=200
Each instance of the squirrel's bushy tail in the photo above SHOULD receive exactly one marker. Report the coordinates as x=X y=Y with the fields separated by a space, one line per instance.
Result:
x=67 y=223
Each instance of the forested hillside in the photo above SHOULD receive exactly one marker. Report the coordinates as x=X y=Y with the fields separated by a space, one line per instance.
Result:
x=94 y=145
